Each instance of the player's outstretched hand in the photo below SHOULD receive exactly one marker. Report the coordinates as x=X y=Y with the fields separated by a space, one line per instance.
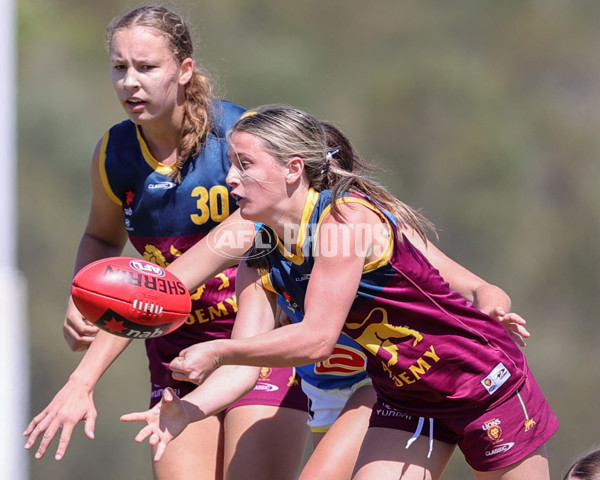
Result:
x=78 y=332
x=165 y=421
x=194 y=364
x=514 y=324
x=70 y=405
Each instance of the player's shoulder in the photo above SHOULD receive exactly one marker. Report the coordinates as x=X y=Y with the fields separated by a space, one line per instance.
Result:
x=223 y=115
x=350 y=205
x=121 y=134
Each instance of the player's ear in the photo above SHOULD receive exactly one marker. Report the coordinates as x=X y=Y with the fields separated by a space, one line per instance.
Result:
x=295 y=168
x=186 y=70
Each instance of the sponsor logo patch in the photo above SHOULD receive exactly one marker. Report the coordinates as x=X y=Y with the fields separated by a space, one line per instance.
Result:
x=496 y=378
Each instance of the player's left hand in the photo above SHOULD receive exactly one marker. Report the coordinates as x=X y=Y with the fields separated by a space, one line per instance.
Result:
x=165 y=421
x=78 y=332
x=514 y=324
x=194 y=364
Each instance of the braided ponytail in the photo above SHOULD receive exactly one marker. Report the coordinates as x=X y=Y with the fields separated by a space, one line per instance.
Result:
x=196 y=120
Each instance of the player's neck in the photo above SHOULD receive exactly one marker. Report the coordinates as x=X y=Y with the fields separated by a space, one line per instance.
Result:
x=162 y=143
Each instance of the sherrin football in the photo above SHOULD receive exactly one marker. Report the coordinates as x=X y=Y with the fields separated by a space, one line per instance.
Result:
x=131 y=297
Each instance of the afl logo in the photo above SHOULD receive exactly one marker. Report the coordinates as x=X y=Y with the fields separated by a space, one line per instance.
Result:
x=147 y=268
x=228 y=239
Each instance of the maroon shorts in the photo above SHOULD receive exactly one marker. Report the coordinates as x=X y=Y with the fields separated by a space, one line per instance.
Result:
x=278 y=387
x=490 y=439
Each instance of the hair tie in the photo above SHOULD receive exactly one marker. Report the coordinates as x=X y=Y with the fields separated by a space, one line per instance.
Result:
x=248 y=113
x=330 y=155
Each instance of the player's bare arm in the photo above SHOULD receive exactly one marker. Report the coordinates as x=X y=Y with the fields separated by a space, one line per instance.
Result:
x=104 y=236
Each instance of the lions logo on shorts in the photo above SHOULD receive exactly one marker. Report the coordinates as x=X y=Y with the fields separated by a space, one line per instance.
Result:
x=493 y=430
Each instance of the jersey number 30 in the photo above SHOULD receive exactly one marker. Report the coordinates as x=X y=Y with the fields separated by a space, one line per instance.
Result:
x=212 y=204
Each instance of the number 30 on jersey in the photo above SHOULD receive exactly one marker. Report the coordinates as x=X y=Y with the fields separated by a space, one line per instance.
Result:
x=211 y=204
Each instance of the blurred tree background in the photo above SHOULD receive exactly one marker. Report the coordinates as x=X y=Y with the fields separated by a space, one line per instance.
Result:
x=483 y=114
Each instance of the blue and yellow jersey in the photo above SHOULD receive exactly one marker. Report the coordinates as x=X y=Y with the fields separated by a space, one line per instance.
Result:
x=163 y=218
x=429 y=351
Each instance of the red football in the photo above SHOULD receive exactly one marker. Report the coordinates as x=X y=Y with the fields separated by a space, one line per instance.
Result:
x=130 y=297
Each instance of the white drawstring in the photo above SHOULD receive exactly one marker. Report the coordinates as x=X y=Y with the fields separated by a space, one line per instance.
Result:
x=418 y=431
x=430 y=438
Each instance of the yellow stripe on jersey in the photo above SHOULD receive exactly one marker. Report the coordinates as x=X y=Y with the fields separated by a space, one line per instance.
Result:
x=150 y=160
x=309 y=206
x=103 y=175
x=385 y=257
x=265 y=278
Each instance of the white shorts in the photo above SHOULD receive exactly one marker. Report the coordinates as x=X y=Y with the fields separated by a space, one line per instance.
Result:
x=325 y=406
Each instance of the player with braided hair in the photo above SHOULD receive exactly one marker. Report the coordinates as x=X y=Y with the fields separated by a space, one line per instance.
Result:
x=158 y=179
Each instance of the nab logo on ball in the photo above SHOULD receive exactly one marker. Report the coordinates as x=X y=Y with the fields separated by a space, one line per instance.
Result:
x=116 y=324
x=130 y=297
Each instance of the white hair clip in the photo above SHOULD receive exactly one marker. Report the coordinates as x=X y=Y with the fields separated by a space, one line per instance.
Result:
x=330 y=155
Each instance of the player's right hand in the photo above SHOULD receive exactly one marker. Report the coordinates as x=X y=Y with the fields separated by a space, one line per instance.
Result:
x=72 y=404
x=78 y=332
x=165 y=421
x=514 y=324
